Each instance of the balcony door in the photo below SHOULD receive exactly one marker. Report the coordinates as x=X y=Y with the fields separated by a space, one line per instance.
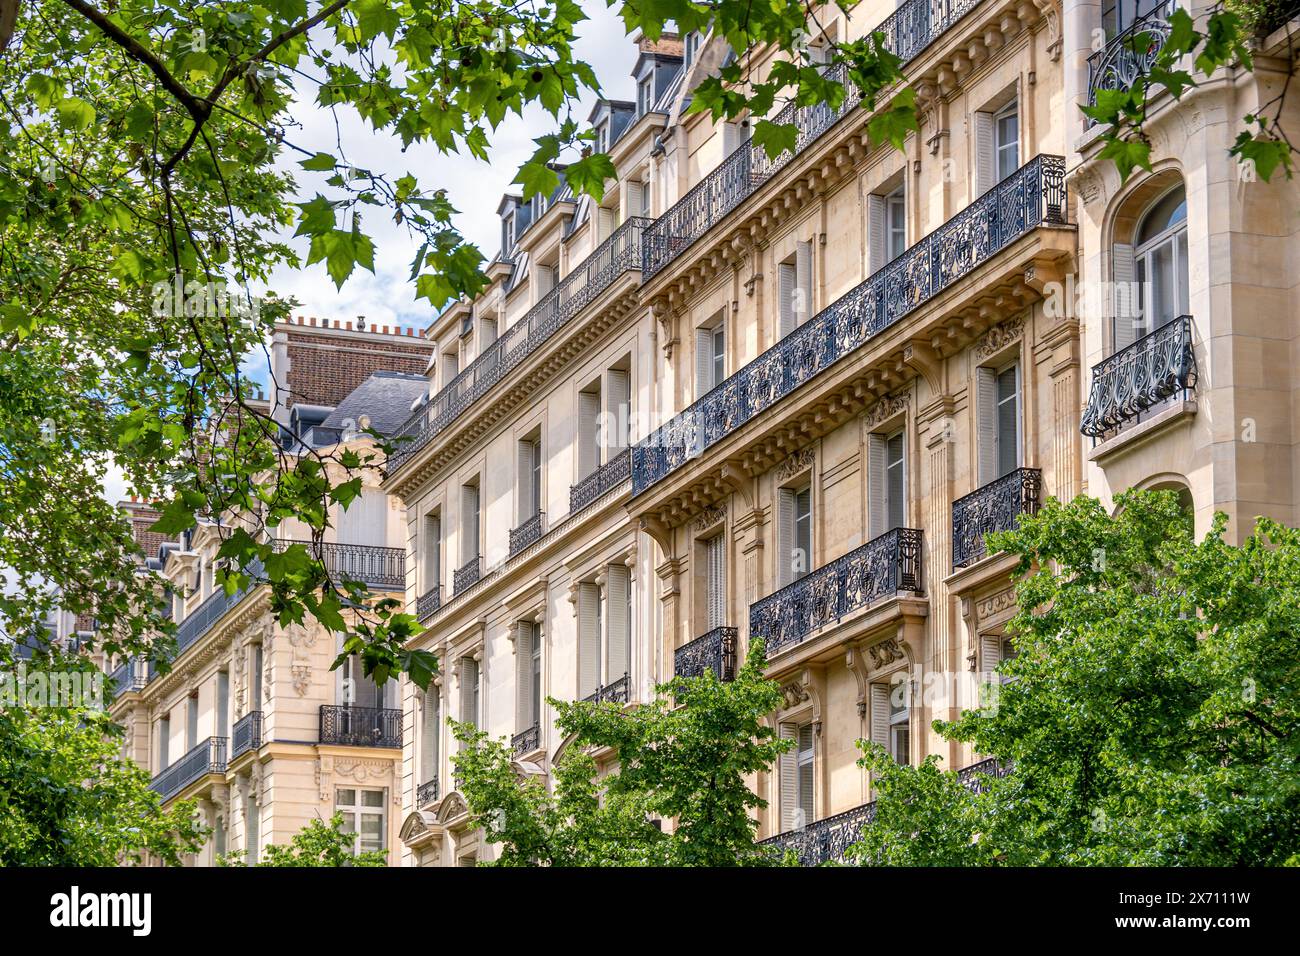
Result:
x=1118 y=15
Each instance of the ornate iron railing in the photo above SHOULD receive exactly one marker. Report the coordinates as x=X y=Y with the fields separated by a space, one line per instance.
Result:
x=128 y=676
x=427 y=604
x=908 y=31
x=355 y=726
x=206 y=615
x=995 y=507
x=1130 y=53
x=526 y=741
x=618 y=254
x=605 y=478
x=467 y=576
x=426 y=792
x=375 y=566
x=246 y=734
x=527 y=533
x=208 y=757
x=881 y=567
x=615 y=692
x=714 y=651
x=1155 y=368
x=1029 y=197
x=976 y=777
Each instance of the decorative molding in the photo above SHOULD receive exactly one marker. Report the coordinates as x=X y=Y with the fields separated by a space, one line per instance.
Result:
x=707 y=518
x=885 y=409
x=793 y=464
x=1000 y=336
x=995 y=604
x=883 y=653
x=794 y=694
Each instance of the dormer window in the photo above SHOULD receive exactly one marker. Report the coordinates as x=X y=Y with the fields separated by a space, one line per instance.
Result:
x=602 y=137
x=644 y=94
x=508 y=234
x=539 y=206
x=691 y=46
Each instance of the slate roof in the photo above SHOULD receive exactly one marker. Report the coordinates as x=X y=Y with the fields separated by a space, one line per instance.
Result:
x=386 y=397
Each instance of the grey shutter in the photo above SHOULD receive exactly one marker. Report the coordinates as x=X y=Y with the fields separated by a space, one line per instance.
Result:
x=620 y=408
x=986 y=163
x=524 y=632
x=784 y=536
x=1127 y=295
x=786 y=279
x=877 y=519
x=524 y=479
x=703 y=361
x=803 y=281
x=223 y=703
x=880 y=715
x=588 y=416
x=807 y=764
x=429 y=735
x=990 y=657
x=618 y=631
x=432 y=549
x=604 y=223
x=588 y=640
x=731 y=138
x=717 y=581
x=469 y=691
x=986 y=390
x=877 y=235
x=788 y=783
x=469 y=516
x=636 y=199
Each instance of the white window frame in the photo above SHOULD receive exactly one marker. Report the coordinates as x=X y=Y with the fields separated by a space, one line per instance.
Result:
x=357 y=809
x=1004 y=147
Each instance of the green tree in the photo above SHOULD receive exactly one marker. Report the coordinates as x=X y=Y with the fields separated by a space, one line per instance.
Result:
x=67 y=798
x=318 y=844
x=1151 y=711
x=684 y=757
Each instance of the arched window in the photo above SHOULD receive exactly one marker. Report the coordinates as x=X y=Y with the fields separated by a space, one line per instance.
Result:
x=1150 y=273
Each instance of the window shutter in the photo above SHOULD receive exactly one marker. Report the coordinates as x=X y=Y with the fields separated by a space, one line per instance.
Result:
x=588 y=415
x=784 y=536
x=523 y=675
x=1128 y=298
x=803 y=281
x=604 y=224
x=717 y=581
x=986 y=381
x=469 y=521
x=990 y=657
x=469 y=691
x=877 y=520
x=703 y=362
x=786 y=279
x=588 y=640
x=620 y=409
x=789 y=780
x=527 y=507
x=432 y=551
x=880 y=715
x=620 y=613
x=985 y=154
x=429 y=735
x=731 y=138
x=877 y=241
x=806 y=773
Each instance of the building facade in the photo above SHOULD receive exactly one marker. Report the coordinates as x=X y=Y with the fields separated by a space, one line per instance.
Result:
x=742 y=397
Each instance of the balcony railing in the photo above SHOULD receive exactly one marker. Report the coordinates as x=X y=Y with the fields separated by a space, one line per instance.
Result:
x=880 y=568
x=615 y=692
x=130 y=675
x=605 y=478
x=208 y=757
x=247 y=734
x=212 y=609
x=1142 y=376
x=426 y=793
x=714 y=651
x=908 y=31
x=995 y=507
x=525 y=742
x=354 y=726
x=1031 y=196
x=466 y=576
x=427 y=604
x=827 y=840
x=374 y=566
x=530 y=532
x=618 y=254
x=1130 y=53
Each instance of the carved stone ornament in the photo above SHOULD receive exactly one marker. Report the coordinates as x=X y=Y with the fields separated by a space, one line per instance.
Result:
x=883 y=653
x=707 y=518
x=1000 y=336
x=885 y=409
x=995 y=604
x=796 y=463
x=794 y=695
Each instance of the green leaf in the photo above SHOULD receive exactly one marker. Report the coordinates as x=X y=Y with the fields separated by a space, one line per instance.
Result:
x=75 y=113
x=321 y=162
x=588 y=175
x=775 y=138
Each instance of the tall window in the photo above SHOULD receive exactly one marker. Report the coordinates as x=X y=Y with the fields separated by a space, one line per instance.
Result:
x=470 y=518
x=644 y=95
x=618 y=623
x=895 y=223
x=589 y=429
x=529 y=477
x=164 y=742
x=803 y=530
x=1161 y=256
x=252 y=826
x=794 y=289
x=999 y=421
x=616 y=431
x=432 y=550
x=257 y=676
x=710 y=356
x=715 y=581
x=890 y=717
x=471 y=689
x=363 y=816
x=797 y=767
x=528 y=675
x=223 y=703
x=1006 y=134
x=535 y=674
x=794 y=534
x=589 y=614
x=1008 y=417
x=690 y=47
x=894 y=491
x=191 y=722
x=429 y=733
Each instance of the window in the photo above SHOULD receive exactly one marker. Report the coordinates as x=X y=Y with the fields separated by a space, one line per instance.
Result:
x=432 y=551
x=886 y=224
x=588 y=638
x=429 y=732
x=638 y=199
x=223 y=703
x=546 y=279
x=895 y=224
x=529 y=477
x=797 y=769
x=363 y=816
x=999 y=422
x=252 y=825
x=164 y=742
x=1008 y=421
x=691 y=46
x=536 y=675
x=589 y=429
x=803 y=531
x=469 y=517
x=450 y=366
x=734 y=136
x=256 y=703
x=644 y=96
x=191 y=722
x=508 y=235
x=715 y=582
x=471 y=689
x=890 y=716
x=606 y=222
x=794 y=289
x=1006 y=134
x=710 y=356
x=794 y=534
x=528 y=676
x=1119 y=15
x=618 y=624
x=616 y=430
x=602 y=137
x=1161 y=261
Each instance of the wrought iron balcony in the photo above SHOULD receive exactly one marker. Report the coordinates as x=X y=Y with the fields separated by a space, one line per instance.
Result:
x=208 y=757
x=466 y=576
x=1130 y=53
x=605 y=478
x=207 y=614
x=374 y=566
x=615 y=692
x=247 y=734
x=427 y=604
x=1140 y=377
x=908 y=31
x=880 y=568
x=527 y=533
x=426 y=793
x=354 y=726
x=526 y=741
x=995 y=507
x=714 y=651
x=976 y=777
x=1030 y=197
x=618 y=254
x=130 y=675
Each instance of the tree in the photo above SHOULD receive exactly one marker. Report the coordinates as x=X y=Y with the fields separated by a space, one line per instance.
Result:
x=1150 y=711
x=318 y=844
x=67 y=798
x=684 y=757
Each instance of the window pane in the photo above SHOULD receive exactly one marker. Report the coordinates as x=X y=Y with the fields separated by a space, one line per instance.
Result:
x=1164 y=292
x=899 y=741
x=894 y=481
x=345 y=798
x=372 y=798
x=1008 y=422
x=803 y=532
